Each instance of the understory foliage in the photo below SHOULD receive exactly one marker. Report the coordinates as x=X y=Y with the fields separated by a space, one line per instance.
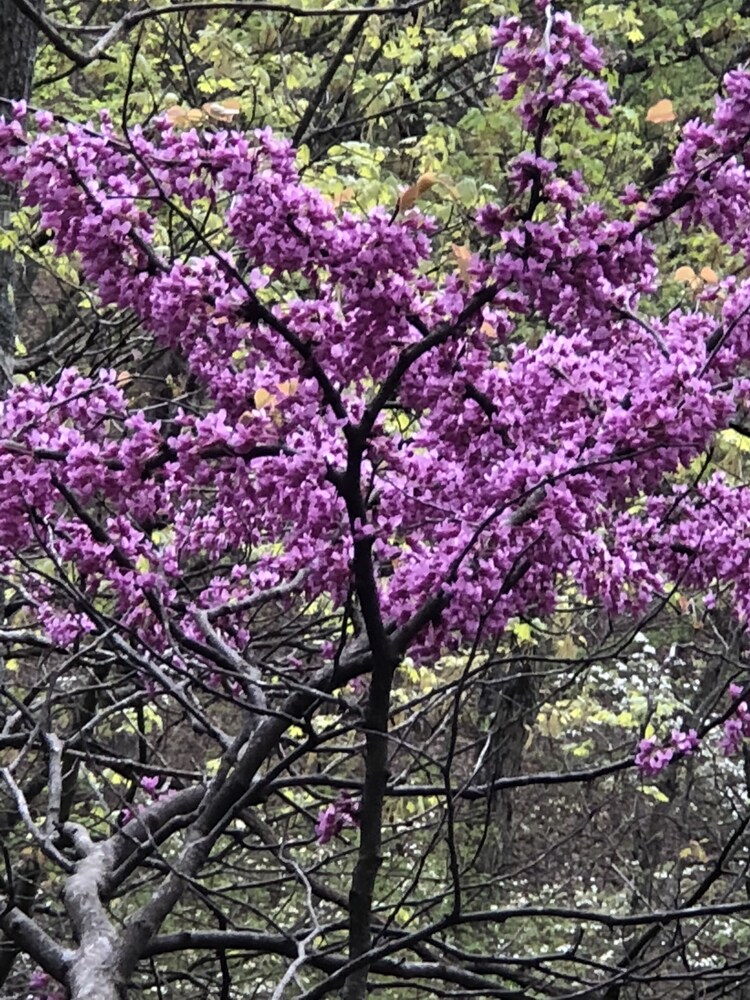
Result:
x=385 y=651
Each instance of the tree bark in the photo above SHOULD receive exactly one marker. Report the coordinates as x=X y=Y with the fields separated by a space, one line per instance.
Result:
x=18 y=41
x=511 y=703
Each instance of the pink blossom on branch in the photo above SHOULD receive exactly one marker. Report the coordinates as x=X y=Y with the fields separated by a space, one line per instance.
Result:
x=43 y=987
x=651 y=758
x=560 y=67
x=336 y=816
x=737 y=726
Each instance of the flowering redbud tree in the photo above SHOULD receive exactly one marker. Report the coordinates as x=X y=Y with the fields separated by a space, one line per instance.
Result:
x=219 y=617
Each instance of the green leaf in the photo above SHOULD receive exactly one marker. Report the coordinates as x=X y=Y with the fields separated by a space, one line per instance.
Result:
x=655 y=793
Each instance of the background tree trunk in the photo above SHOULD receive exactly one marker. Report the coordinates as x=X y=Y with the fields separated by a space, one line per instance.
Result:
x=510 y=700
x=18 y=40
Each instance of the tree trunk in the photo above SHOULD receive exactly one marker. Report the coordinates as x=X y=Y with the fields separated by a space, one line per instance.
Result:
x=18 y=40
x=512 y=706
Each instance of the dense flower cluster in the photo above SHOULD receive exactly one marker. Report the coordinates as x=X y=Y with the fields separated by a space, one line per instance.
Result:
x=487 y=467
x=562 y=70
x=651 y=758
x=737 y=727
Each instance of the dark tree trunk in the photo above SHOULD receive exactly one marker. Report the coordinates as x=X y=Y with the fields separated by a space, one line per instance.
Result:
x=18 y=39
x=511 y=702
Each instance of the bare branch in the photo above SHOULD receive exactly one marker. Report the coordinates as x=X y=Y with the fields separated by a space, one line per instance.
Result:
x=54 y=30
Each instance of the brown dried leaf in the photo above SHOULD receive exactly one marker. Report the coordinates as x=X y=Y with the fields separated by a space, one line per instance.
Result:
x=222 y=111
x=410 y=197
x=462 y=257
x=288 y=388
x=176 y=115
x=661 y=112
x=342 y=197
x=264 y=399
x=685 y=274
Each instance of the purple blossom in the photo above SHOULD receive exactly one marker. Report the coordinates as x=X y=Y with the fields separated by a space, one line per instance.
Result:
x=737 y=727
x=652 y=758
x=44 y=987
x=732 y=736
x=125 y=816
x=335 y=817
x=150 y=784
x=549 y=66
x=38 y=980
x=560 y=459
x=685 y=742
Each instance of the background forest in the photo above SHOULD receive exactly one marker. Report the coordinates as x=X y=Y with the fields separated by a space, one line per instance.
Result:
x=522 y=853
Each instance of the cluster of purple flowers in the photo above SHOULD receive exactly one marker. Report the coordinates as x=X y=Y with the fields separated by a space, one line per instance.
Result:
x=736 y=728
x=344 y=812
x=652 y=758
x=557 y=69
x=150 y=785
x=533 y=463
x=44 y=987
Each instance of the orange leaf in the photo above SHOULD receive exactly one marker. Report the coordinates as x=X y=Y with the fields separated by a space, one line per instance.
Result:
x=661 y=112
x=685 y=274
x=409 y=198
x=462 y=257
x=341 y=197
x=176 y=115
